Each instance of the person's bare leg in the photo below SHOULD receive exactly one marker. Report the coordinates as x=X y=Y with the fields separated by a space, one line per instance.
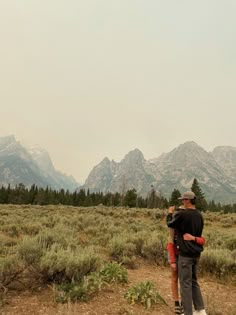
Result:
x=175 y=291
x=174 y=284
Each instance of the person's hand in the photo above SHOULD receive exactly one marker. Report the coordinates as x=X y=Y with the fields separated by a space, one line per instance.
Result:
x=171 y=209
x=173 y=266
x=188 y=237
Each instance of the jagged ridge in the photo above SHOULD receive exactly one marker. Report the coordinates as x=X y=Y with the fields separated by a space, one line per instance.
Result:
x=175 y=169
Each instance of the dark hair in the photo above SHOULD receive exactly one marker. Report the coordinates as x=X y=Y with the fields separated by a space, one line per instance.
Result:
x=193 y=201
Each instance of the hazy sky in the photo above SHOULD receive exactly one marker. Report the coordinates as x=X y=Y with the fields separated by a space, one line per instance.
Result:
x=86 y=79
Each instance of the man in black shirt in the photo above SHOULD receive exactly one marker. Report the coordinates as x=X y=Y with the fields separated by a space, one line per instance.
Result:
x=189 y=221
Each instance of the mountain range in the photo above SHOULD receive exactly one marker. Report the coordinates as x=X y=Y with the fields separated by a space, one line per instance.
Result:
x=215 y=172
x=29 y=166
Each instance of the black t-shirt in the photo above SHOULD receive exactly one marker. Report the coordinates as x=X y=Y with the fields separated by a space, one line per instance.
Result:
x=188 y=221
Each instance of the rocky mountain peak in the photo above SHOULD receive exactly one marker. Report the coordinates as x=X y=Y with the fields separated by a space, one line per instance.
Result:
x=29 y=166
x=134 y=156
x=5 y=141
x=175 y=169
x=189 y=147
x=10 y=147
x=226 y=158
x=42 y=158
x=105 y=161
x=190 y=144
x=224 y=150
x=183 y=156
x=8 y=144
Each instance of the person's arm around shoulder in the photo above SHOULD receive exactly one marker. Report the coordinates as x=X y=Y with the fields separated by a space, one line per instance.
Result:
x=199 y=240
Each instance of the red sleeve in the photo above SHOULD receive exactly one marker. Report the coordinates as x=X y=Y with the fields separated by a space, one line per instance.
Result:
x=200 y=240
x=172 y=251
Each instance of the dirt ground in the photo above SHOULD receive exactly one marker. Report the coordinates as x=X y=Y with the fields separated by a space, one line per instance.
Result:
x=220 y=298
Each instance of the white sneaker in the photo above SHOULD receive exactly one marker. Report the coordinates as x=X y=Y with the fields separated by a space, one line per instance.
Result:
x=201 y=312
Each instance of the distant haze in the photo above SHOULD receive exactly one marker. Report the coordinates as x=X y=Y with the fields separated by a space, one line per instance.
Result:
x=89 y=79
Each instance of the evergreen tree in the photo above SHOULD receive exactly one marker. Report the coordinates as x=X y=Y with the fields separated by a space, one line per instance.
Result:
x=152 y=198
x=212 y=206
x=3 y=195
x=140 y=202
x=108 y=199
x=200 y=198
x=174 y=201
x=44 y=196
x=161 y=202
x=130 y=198
x=40 y=197
x=88 y=200
x=116 y=199
x=9 y=194
x=31 y=194
x=234 y=208
x=228 y=208
x=62 y=196
x=165 y=204
x=81 y=197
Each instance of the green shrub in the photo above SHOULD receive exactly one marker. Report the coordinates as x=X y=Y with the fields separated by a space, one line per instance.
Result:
x=234 y=254
x=226 y=222
x=129 y=262
x=139 y=239
x=60 y=265
x=7 y=241
x=91 y=284
x=102 y=240
x=215 y=240
x=218 y=262
x=49 y=237
x=154 y=248
x=31 y=228
x=30 y=250
x=72 y=292
x=10 y=270
x=83 y=290
x=159 y=215
x=94 y=282
x=120 y=247
x=144 y=293
x=12 y=230
x=114 y=272
x=230 y=243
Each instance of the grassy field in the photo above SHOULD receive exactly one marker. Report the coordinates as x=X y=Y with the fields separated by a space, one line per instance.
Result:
x=82 y=253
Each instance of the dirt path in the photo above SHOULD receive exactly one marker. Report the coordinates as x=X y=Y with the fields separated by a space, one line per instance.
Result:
x=220 y=299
